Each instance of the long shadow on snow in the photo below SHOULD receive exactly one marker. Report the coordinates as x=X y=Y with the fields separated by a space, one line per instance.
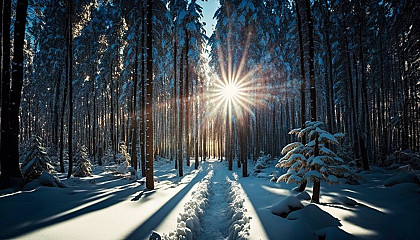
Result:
x=145 y=229
x=27 y=223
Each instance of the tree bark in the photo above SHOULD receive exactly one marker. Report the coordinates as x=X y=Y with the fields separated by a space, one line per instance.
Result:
x=70 y=81
x=143 y=99
x=302 y=186
x=134 y=110
x=187 y=100
x=317 y=184
x=5 y=86
x=181 y=112
x=149 y=109
x=11 y=174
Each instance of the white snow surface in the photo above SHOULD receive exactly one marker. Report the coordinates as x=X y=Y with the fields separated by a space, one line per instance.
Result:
x=286 y=205
x=219 y=203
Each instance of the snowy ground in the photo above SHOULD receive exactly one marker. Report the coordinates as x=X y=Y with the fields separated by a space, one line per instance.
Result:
x=209 y=203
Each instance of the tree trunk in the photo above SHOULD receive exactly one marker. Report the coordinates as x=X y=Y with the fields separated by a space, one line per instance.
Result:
x=196 y=126
x=317 y=184
x=134 y=111
x=143 y=99
x=55 y=127
x=11 y=175
x=181 y=112
x=302 y=186
x=149 y=109
x=187 y=100
x=70 y=81
x=365 y=129
x=5 y=86
x=175 y=102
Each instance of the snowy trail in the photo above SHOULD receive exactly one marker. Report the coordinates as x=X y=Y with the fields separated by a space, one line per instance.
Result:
x=215 y=217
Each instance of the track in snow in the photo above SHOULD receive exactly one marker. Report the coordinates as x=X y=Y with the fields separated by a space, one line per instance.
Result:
x=215 y=221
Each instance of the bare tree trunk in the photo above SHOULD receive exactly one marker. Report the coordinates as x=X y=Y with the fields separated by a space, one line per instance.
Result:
x=187 y=100
x=149 y=109
x=175 y=102
x=70 y=81
x=55 y=124
x=5 y=86
x=317 y=184
x=134 y=110
x=143 y=99
x=181 y=114
x=196 y=125
x=11 y=175
x=302 y=186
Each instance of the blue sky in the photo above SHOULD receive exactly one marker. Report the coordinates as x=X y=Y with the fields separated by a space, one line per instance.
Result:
x=209 y=8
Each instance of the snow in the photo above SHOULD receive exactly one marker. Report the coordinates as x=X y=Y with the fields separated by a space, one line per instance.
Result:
x=188 y=222
x=304 y=196
x=239 y=223
x=402 y=177
x=210 y=203
x=286 y=206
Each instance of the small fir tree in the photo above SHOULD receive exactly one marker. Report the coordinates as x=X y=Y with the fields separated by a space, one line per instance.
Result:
x=83 y=167
x=314 y=161
x=34 y=160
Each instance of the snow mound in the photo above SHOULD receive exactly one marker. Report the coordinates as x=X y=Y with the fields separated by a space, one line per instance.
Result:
x=239 y=225
x=286 y=206
x=314 y=217
x=188 y=226
x=304 y=196
x=402 y=177
x=45 y=179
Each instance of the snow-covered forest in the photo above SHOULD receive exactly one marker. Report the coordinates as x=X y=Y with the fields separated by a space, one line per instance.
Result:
x=293 y=119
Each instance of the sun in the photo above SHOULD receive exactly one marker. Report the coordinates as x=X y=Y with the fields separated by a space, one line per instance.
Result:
x=231 y=91
x=233 y=94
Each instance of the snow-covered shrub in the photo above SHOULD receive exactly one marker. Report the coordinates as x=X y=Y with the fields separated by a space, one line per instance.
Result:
x=261 y=163
x=34 y=160
x=82 y=166
x=126 y=159
x=124 y=165
x=313 y=161
x=108 y=158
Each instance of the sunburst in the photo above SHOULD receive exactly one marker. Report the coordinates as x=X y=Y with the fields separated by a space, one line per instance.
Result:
x=235 y=92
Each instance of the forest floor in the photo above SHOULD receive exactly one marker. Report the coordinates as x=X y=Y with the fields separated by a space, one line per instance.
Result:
x=213 y=203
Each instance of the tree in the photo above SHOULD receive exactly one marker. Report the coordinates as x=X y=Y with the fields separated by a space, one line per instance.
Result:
x=11 y=175
x=314 y=161
x=83 y=167
x=35 y=160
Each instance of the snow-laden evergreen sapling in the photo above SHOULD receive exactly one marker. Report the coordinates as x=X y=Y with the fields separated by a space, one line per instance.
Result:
x=34 y=160
x=83 y=167
x=314 y=161
x=124 y=160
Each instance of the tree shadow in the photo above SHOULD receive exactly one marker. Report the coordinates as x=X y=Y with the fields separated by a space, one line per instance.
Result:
x=26 y=213
x=146 y=228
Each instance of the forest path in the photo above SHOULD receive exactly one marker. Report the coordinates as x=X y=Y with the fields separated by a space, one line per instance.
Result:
x=214 y=222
